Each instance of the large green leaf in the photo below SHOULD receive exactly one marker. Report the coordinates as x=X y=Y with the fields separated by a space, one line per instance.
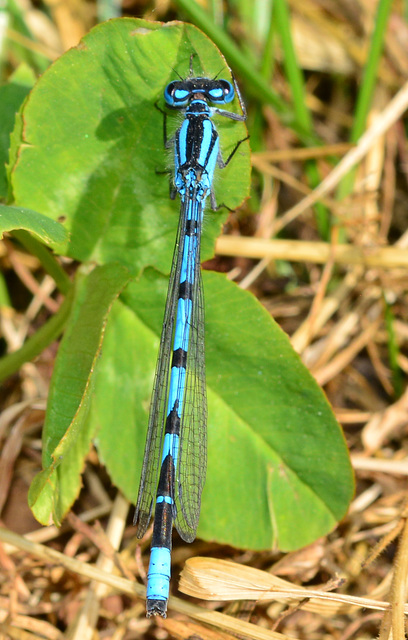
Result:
x=90 y=159
x=87 y=150
x=275 y=447
x=92 y=142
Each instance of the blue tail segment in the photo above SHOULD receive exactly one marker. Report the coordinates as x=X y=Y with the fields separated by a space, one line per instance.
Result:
x=175 y=457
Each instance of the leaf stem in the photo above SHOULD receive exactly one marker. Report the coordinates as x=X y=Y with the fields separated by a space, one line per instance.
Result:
x=50 y=264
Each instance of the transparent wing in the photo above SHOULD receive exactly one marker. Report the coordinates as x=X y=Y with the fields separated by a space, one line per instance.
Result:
x=157 y=418
x=192 y=455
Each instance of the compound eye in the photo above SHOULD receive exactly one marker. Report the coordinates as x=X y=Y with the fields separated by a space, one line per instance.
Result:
x=176 y=95
x=228 y=90
x=223 y=91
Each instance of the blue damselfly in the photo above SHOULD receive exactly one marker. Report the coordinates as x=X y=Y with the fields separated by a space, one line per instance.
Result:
x=175 y=457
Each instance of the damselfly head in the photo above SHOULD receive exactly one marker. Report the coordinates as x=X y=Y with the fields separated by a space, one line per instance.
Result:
x=179 y=93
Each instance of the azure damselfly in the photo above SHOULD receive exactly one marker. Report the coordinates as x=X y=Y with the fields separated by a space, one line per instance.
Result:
x=175 y=456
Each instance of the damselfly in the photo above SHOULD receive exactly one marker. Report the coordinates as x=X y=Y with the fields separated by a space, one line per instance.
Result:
x=175 y=457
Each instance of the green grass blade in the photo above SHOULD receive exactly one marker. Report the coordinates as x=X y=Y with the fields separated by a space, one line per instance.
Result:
x=367 y=86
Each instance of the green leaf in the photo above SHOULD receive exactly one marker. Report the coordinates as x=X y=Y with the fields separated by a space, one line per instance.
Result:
x=66 y=438
x=91 y=157
x=275 y=447
x=12 y=96
x=48 y=231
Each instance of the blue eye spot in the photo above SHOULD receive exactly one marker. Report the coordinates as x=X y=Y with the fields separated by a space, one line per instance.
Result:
x=216 y=93
x=181 y=94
